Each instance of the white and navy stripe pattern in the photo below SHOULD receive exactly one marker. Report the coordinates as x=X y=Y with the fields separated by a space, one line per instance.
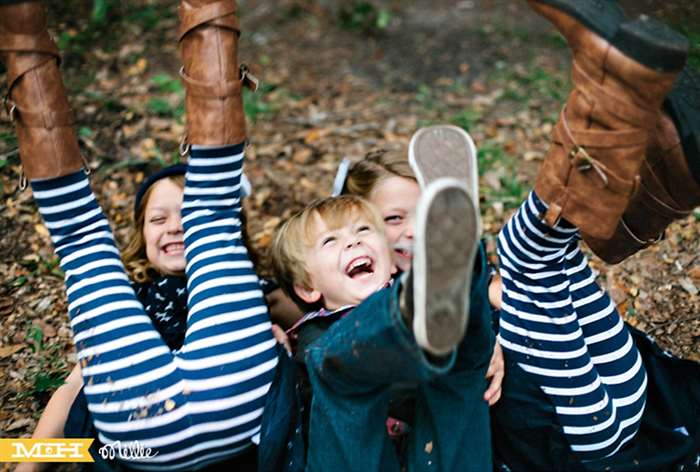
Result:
x=195 y=406
x=565 y=332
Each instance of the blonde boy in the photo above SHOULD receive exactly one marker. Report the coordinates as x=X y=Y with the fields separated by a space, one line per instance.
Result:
x=366 y=334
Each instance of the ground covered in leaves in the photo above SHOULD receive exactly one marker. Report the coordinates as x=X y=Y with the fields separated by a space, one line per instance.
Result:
x=333 y=88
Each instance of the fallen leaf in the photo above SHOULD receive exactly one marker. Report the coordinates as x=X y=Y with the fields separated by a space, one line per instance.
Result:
x=7 y=351
x=7 y=305
x=19 y=424
x=688 y=286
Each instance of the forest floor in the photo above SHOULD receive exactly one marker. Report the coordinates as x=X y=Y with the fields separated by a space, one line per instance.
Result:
x=332 y=89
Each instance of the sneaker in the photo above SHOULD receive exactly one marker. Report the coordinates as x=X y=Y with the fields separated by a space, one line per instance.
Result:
x=446 y=241
x=444 y=151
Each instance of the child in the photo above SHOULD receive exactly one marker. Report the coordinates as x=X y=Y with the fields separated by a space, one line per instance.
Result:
x=368 y=337
x=159 y=284
x=204 y=402
x=601 y=434
x=386 y=180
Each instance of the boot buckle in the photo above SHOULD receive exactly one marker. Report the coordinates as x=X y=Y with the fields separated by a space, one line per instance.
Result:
x=22 y=181
x=248 y=79
x=587 y=162
x=10 y=107
x=184 y=146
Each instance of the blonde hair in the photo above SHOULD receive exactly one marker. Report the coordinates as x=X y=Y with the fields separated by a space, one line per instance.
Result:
x=294 y=236
x=363 y=176
x=134 y=254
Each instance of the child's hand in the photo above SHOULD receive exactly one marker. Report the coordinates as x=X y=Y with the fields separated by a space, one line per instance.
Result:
x=282 y=338
x=495 y=373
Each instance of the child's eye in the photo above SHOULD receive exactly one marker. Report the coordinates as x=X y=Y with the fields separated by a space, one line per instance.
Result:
x=364 y=229
x=157 y=220
x=328 y=240
x=393 y=219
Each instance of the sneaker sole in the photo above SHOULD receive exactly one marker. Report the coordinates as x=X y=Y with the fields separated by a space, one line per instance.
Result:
x=446 y=242
x=444 y=151
x=645 y=39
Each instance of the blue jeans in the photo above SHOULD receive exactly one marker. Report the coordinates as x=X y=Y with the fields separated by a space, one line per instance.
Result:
x=353 y=366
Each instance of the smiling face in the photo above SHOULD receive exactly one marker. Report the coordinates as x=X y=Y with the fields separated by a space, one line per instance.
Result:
x=162 y=228
x=345 y=264
x=396 y=199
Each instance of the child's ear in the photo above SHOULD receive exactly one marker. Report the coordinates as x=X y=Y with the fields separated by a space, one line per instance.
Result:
x=309 y=296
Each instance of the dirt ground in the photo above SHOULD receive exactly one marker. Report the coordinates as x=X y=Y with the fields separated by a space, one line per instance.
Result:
x=330 y=92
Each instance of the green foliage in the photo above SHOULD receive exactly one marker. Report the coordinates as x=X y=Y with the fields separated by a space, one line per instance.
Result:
x=38 y=266
x=533 y=82
x=165 y=83
x=466 y=119
x=425 y=97
x=169 y=98
x=49 y=371
x=100 y=9
x=147 y=16
x=257 y=104
x=512 y=190
x=693 y=35
x=364 y=16
x=9 y=138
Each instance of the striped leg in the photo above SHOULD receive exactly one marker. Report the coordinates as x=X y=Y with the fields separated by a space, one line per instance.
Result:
x=229 y=354
x=610 y=345
x=129 y=372
x=560 y=329
x=195 y=406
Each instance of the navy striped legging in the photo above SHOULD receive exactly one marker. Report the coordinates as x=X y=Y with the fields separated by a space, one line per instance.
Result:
x=566 y=333
x=194 y=406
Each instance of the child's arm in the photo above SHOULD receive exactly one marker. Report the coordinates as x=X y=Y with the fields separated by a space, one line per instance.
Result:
x=495 y=372
x=283 y=311
x=496 y=369
x=54 y=417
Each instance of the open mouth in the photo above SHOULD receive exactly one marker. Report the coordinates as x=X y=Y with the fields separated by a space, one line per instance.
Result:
x=174 y=248
x=359 y=267
x=403 y=251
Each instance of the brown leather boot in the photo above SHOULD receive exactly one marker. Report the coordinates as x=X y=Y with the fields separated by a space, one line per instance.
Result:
x=208 y=40
x=36 y=98
x=668 y=190
x=622 y=71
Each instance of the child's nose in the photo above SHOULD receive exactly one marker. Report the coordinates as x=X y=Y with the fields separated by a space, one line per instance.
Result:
x=353 y=241
x=408 y=229
x=175 y=225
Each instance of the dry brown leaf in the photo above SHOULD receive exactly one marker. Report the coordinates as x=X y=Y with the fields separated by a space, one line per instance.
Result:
x=7 y=305
x=7 y=351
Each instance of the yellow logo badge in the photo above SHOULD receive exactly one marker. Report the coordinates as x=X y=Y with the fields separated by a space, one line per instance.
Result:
x=45 y=450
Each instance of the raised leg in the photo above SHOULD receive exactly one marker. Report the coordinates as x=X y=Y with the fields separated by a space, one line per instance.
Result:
x=567 y=335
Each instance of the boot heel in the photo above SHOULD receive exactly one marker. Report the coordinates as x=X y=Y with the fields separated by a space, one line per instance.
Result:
x=601 y=16
x=652 y=43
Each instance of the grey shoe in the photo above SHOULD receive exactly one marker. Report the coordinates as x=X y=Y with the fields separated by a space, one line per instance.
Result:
x=446 y=241
x=444 y=151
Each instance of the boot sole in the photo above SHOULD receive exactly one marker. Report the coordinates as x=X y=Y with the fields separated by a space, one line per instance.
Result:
x=446 y=243
x=645 y=39
x=683 y=105
x=444 y=151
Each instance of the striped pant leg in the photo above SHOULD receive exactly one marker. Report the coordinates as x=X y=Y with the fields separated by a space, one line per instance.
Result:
x=229 y=355
x=540 y=329
x=129 y=373
x=610 y=344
